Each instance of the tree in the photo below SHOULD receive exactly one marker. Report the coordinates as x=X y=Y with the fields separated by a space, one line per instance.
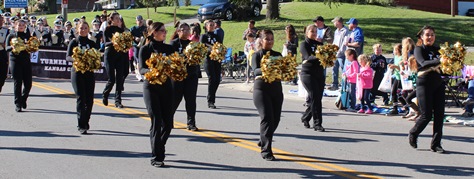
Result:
x=273 y=10
x=53 y=9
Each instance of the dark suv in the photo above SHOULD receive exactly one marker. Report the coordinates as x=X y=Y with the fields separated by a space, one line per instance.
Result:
x=224 y=9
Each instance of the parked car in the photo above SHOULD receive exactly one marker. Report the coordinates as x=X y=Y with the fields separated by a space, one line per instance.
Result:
x=223 y=9
x=265 y=1
x=470 y=12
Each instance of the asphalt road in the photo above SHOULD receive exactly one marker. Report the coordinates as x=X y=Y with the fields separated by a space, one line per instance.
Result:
x=43 y=142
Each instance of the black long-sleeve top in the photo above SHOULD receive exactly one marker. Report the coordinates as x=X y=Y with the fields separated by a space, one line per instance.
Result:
x=98 y=36
x=60 y=35
x=83 y=43
x=379 y=64
x=209 y=39
x=310 y=63
x=257 y=59
x=23 y=55
x=427 y=56
x=179 y=45
x=152 y=47
x=109 y=32
x=292 y=45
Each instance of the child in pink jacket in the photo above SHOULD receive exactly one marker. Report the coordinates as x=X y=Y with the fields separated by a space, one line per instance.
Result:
x=351 y=75
x=365 y=82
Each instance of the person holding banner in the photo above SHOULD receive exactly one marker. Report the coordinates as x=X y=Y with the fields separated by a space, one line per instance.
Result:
x=114 y=62
x=3 y=53
x=82 y=82
x=20 y=64
x=158 y=98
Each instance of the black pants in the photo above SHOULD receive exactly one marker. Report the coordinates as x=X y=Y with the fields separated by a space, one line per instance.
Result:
x=393 y=93
x=366 y=99
x=375 y=89
x=188 y=89
x=115 y=64
x=407 y=96
x=268 y=99
x=84 y=85
x=431 y=99
x=314 y=85
x=3 y=68
x=22 y=75
x=213 y=71
x=158 y=102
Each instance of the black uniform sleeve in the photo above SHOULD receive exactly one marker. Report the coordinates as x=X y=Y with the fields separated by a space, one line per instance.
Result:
x=306 y=52
x=70 y=48
x=143 y=55
x=256 y=59
x=7 y=43
x=421 y=58
x=108 y=37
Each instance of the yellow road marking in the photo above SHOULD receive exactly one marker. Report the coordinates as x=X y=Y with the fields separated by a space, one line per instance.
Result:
x=306 y=161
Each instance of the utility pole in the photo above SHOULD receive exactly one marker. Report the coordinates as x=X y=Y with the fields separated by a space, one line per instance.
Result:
x=64 y=9
x=452 y=7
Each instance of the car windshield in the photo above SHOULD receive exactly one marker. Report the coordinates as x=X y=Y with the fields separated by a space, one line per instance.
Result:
x=217 y=1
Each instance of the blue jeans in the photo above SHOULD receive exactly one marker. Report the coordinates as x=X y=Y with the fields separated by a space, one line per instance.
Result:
x=352 y=95
x=335 y=71
x=470 y=94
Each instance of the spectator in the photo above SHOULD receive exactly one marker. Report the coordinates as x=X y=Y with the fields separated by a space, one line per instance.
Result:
x=351 y=75
x=219 y=31
x=397 y=58
x=356 y=38
x=249 y=45
x=365 y=81
x=324 y=31
x=251 y=29
x=469 y=102
x=340 y=35
x=291 y=43
x=137 y=32
x=195 y=33
x=379 y=65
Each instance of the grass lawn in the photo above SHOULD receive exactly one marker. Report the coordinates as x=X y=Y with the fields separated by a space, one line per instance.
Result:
x=163 y=14
x=385 y=25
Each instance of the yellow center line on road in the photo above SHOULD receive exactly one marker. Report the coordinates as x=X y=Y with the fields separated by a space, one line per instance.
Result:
x=284 y=155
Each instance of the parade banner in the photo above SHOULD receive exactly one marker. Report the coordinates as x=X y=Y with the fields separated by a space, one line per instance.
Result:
x=53 y=64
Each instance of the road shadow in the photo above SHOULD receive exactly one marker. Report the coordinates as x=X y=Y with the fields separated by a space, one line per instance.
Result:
x=211 y=139
x=438 y=169
x=81 y=152
x=5 y=133
x=118 y=133
x=302 y=173
x=225 y=113
x=114 y=115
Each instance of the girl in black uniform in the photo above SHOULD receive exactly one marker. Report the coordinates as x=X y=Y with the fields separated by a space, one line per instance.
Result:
x=114 y=62
x=187 y=87
x=20 y=65
x=83 y=83
x=429 y=89
x=312 y=77
x=3 y=53
x=213 y=68
x=267 y=97
x=158 y=98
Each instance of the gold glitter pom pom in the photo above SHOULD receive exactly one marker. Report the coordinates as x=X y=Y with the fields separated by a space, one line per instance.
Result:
x=158 y=65
x=86 y=60
x=177 y=70
x=18 y=45
x=327 y=54
x=271 y=68
x=32 y=44
x=454 y=56
x=195 y=52
x=218 y=52
x=122 y=42
x=288 y=67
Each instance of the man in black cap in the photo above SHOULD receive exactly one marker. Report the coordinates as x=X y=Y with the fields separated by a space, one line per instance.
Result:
x=324 y=31
x=219 y=31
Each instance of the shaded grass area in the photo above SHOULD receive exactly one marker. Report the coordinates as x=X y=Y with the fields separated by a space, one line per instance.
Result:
x=163 y=14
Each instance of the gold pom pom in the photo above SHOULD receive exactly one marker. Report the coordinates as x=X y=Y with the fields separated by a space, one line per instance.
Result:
x=454 y=56
x=122 y=42
x=195 y=52
x=288 y=67
x=86 y=60
x=18 y=45
x=327 y=54
x=218 y=52
x=271 y=68
x=32 y=44
x=158 y=65
x=177 y=70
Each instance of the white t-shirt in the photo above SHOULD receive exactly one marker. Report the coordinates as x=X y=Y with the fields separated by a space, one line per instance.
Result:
x=103 y=26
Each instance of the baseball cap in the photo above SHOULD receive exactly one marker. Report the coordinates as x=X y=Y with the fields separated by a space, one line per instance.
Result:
x=337 y=19
x=319 y=18
x=352 y=21
x=139 y=18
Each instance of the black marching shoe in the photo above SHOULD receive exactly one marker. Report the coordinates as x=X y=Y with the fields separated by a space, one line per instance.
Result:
x=412 y=139
x=306 y=124
x=211 y=105
x=23 y=105
x=18 y=108
x=105 y=99
x=319 y=128
x=269 y=158
x=118 y=105
x=157 y=163
x=193 y=128
x=82 y=131
x=259 y=143
x=438 y=149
